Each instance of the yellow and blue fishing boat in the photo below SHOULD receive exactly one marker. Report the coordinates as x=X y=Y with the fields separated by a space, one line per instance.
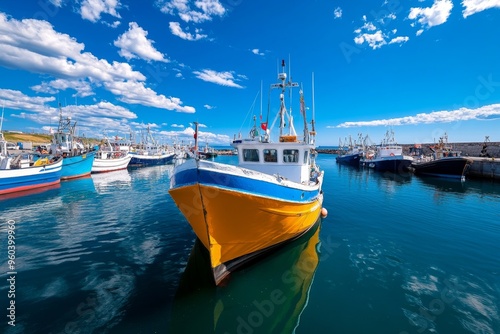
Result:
x=272 y=196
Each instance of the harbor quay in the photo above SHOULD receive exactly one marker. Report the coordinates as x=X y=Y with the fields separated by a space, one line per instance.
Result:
x=486 y=160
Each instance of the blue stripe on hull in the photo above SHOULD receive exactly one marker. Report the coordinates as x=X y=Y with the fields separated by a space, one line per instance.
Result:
x=138 y=161
x=29 y=181
x=243 y=184
x=77 y=166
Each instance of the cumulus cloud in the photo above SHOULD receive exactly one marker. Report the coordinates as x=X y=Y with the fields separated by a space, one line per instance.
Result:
x=219 y=78
x=92 y=9
x=476 y=6
x=374 y=40
x=82 y=87
x=445 y=116
x=432 y=16
x=137 y=93
x=176 y=30
x=134 y=44
x=197 y=11
x=34 y=46
x=399 y=40
x=257 y=52
x=337 y=13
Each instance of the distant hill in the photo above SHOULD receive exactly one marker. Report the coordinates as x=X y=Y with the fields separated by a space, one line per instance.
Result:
x=37 y=138
x=26 y=137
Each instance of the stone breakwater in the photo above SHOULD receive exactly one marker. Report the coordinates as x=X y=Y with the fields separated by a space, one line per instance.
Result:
x=467 y=149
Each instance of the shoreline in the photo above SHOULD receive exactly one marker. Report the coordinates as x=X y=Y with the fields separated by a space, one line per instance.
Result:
x=472 y=149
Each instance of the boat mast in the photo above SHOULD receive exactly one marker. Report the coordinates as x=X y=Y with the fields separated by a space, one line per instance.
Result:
x=283 y=85
x=313 y=130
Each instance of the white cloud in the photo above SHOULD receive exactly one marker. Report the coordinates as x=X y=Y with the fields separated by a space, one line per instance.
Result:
x=34 y=46
x=257 y=52
x=209 y=107
x=432 y=16
x=419 y=32
x=375 y=40
x=177 y=126
x=136 y=93
x=337 y=13
x=134 y=44
x=14 y=99
x=176 y=30
x=92 y=9
x=83 y=88
x=476 y=6
x=192 y=11
x=219 y=78
x=57 y=3
x=445 y=116
x=399 y=39
x=36 y=109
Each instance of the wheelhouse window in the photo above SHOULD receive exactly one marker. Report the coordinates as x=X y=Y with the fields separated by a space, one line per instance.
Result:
x=270 y=155
x=290 y=155
x=250 y=155
x=306 y=156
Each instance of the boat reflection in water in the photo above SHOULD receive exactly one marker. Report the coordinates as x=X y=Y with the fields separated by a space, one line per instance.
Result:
x=107 y=182
x=268 y=297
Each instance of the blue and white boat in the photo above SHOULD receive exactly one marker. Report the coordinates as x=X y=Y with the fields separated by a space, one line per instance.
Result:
x=22 y=173
x=274 y=192
x=150 y=153
x=77 y=160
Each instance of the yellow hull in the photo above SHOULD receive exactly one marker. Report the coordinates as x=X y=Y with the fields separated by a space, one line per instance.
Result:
x=232 y=224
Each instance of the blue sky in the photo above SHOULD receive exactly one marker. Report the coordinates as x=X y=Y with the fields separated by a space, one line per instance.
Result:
x=420 y=68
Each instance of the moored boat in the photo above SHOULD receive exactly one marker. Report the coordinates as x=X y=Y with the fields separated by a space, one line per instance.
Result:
x=77 y=160
x=109 y=158
x=444 y=162
x=25 y=172
x=388 y=157
x=150 y=153
x=22 y=173
x=271 y=197
x=352 y=154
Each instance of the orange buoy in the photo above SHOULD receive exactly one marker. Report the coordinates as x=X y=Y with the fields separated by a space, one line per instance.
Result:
x=324 y=212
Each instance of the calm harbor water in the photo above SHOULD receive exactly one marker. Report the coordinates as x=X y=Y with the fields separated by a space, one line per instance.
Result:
x=396 y=254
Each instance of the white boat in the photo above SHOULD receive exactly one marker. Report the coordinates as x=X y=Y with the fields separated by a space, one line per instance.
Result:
x=109 y=158
x=273 y=196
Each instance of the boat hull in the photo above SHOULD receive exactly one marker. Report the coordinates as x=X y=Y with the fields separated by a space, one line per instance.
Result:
x=111 y=164
x=139 y=160
x=23 y=179
x=237 y=217
x=396 y=165
x=452 y=167
x=77 y=166
x=349 y=159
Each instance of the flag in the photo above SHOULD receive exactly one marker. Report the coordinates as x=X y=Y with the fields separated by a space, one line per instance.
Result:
x=263 y=126
x=195 y=135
